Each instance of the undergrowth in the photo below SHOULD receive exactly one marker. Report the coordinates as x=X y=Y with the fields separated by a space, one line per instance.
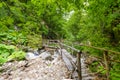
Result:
x=10 y=52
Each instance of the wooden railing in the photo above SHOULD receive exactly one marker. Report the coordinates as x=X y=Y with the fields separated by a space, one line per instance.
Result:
x=79 y=71
x=78 y=65
x=105 y=56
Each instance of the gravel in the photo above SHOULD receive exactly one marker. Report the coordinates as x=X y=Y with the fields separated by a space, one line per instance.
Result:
x=35 y=69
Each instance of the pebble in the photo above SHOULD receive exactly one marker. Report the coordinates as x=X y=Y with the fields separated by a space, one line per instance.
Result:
x=39 y=69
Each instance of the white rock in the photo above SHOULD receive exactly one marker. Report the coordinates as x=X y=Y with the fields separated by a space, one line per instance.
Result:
x=45 y=55
x=30 y=55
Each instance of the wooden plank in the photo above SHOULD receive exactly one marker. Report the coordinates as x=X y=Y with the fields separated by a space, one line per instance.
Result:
x=70 y=62
x=52 y=47
x=68 y=55
x=67 y=62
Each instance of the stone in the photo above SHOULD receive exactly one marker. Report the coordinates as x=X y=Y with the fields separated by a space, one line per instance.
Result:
x=46 y=56
x=30 y=55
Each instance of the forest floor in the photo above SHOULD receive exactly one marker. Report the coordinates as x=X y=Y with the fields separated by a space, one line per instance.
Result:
x=35 y=69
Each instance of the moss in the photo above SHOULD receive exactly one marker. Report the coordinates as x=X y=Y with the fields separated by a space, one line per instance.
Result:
x=34 y=41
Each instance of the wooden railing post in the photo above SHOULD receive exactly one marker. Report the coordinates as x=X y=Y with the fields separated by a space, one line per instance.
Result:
x=79 y=65
x=60 y=46
x=72 y=50
x=106 y=64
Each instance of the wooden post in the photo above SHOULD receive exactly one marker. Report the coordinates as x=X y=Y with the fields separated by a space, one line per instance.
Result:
x=60 y=46
x=106 y=64
x=72 y=50
x=79 y=65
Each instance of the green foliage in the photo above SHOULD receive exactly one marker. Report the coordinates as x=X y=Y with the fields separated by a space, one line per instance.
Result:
x=115 y=70
x=12 y=37
x=114 y=75
x=17 y=55
x=2 y=60
x=96 y=23
x=10 y=52
x=34 y=41
x=92 y=22
x=102 y=70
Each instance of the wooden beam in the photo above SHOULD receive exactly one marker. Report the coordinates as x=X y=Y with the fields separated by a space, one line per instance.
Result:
x=66 y=59
x=79 y=66
x=100 y=48
x=105 y=54
x=52 y=47
x=70 y=47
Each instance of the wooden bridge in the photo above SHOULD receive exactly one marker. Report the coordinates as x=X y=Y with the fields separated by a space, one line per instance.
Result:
x=77 y=67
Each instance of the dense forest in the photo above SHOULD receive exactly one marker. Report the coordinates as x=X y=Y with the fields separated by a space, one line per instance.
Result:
x=25 y=23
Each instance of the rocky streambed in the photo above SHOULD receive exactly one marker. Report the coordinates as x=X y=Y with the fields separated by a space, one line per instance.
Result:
x=45 y=66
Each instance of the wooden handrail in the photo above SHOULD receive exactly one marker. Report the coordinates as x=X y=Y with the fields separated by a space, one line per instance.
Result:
x=103 y=49
x=70 y=47
x=78 y=56
x=105 y=55
x=78 y=59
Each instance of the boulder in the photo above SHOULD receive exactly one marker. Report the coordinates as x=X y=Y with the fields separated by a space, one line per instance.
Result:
x=46 y=56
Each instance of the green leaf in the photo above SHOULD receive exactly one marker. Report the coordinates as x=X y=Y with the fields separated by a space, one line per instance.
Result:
x=1 y=5
x=2 y=60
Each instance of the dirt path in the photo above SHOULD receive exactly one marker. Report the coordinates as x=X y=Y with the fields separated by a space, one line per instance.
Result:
x=37 y=69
